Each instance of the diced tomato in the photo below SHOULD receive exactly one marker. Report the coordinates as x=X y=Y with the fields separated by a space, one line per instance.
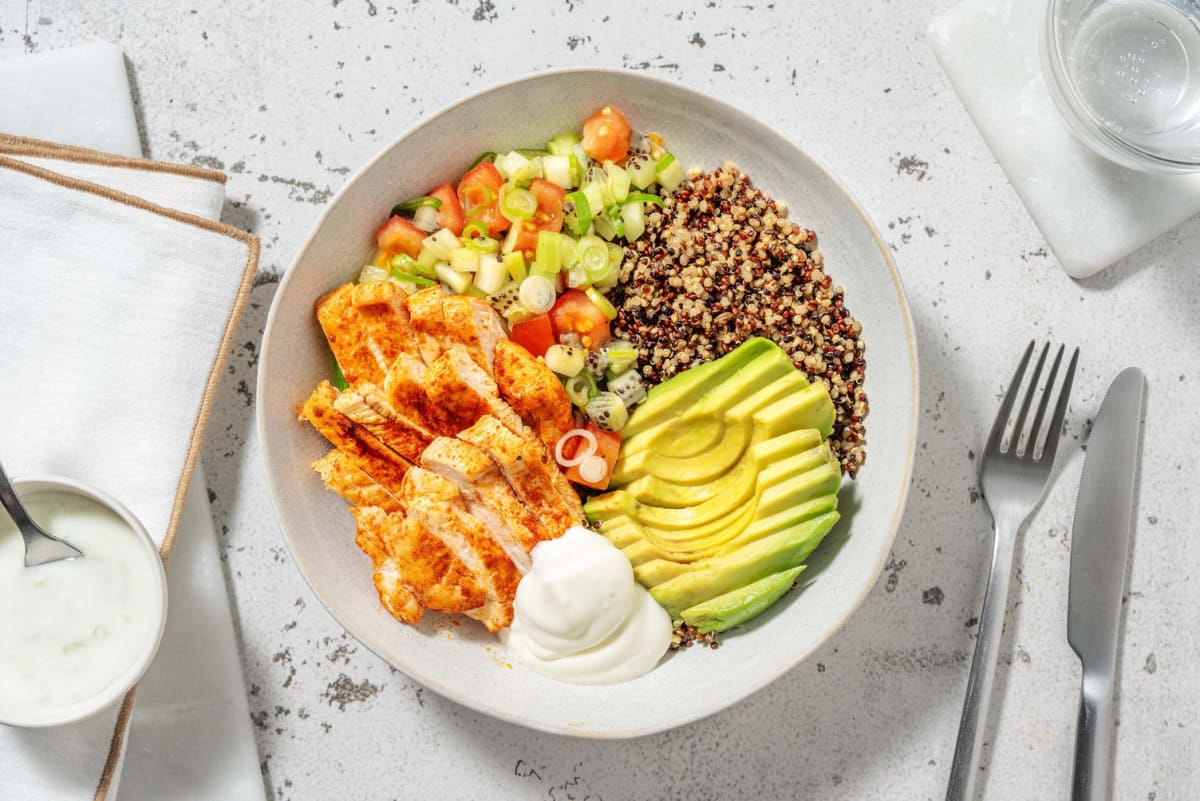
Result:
x=575 y=312
x=606 y=135
x=548 y=217
x=608 y=445
x=479 y=192
x=399 y=235
x=536 y=334
x=450 y=213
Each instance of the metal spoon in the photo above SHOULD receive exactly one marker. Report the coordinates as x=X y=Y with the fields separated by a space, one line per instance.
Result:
x=40 y=546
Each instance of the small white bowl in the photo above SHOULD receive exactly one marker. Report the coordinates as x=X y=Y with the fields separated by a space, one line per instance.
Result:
x=37 y=718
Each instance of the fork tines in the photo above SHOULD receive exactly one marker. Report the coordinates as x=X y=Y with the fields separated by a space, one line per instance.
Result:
x=1012 y=437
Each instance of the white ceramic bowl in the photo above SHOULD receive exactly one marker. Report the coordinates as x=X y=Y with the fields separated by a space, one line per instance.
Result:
x=26 y=717
x=465 y=663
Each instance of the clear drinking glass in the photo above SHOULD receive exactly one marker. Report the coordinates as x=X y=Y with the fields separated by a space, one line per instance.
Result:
x=1126 y=76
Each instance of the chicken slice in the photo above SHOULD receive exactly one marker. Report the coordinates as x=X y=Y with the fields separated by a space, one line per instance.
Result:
x=464 y=392
x=367 y=326
x=394 y=594
x=435 y=506
x=404 y=388
x=338 y=472
x=404 y=436
x=489 y=497
x=534 y=392
x=475 y=325
x=425 y=312
x=531 y=472
x=366 y=452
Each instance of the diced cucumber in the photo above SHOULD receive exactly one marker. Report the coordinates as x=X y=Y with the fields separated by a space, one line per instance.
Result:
x=641 y=170
x=372 y=273
x=491 y=276
x=634 y=218
x=621 y=356
x=441 y=243
x=458 y=282
x=605 y=226
x=464 y=260
x=670 y=172
x=563 y=143
x=426 y=259
x=517 y=168
x=595 y=199
x=514 y=263
x=618 y=182
x=557 y=170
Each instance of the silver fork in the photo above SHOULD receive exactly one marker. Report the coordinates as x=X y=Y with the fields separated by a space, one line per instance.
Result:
x=1013 y=473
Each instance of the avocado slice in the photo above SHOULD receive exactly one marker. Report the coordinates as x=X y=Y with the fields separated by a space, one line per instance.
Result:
x=698 y=426
x=655 y=571
x=737 y=606
x=659 y=492
x=721 y=574
x=671 y=397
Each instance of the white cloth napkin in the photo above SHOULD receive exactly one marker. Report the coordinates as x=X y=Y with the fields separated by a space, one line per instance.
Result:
x=119 y=295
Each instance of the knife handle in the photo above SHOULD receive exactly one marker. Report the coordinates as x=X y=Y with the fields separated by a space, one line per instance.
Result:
x=1093 y=739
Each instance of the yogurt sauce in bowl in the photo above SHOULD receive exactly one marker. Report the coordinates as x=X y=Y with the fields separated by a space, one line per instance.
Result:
x=75 y=635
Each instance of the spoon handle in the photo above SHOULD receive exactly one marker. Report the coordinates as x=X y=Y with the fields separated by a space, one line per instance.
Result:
x=12 y=504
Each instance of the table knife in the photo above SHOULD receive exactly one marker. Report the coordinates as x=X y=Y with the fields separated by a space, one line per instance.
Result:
x=1099 y=550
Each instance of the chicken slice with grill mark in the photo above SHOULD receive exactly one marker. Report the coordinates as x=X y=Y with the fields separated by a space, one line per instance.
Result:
x=489 y=496
x=425 y=311
x=340 y=475
x=404 y=388
x=394 y=594
x=534 y=392
x=474 y=325
x=531 y=472
x=435 y=505
x=367 y=326
x=367 y=407
x=362 y=447
x=464 y=392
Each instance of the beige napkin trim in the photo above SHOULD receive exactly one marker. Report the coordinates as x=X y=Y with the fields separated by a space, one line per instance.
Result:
x=214 y=375
x=36 y=148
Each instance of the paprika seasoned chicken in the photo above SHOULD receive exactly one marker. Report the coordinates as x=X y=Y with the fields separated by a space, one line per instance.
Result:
x=443 y=446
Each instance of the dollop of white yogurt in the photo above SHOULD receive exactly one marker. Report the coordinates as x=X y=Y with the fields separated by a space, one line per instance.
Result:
x=70 y=629
x=580 y=617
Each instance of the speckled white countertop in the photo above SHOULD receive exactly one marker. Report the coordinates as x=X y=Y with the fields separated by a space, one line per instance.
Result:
x=289 y=98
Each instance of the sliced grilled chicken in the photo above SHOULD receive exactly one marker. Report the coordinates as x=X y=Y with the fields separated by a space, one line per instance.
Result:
x=405 y=437
x=534 y=392
x=475 y=325
x=338 y=472
x=435 y=506
x=366 y=452
x=531 y=472
x=425 y=311
x=389 y=581
x=404 y=388
x=488 y=495
x=464 y=392
x=367 y=326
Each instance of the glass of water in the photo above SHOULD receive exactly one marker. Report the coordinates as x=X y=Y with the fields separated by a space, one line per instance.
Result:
x=1126 y=76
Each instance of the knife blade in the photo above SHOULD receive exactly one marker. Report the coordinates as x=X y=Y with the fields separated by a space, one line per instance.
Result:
x=1099 y=551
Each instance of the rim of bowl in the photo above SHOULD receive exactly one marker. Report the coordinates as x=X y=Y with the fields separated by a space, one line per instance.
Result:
x=1083 y=121
x=40 y=483
x=433 y=681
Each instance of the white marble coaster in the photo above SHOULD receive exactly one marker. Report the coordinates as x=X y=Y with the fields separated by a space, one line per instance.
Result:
x=1092 y=212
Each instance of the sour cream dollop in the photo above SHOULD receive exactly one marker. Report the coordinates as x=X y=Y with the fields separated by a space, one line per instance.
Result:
x=72 y=629
x=581 y=618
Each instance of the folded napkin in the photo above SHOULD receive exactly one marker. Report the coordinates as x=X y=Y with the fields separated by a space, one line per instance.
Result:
x=120 y=297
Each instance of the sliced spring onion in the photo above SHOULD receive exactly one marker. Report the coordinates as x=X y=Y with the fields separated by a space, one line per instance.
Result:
x=633 y=218
x=514 y=263
x=621 y=356
x=557 y=170
x=510 y=239
x=618 y=181
x=339 y=378
x=538 y=294
x=484 y=244
x=577 y=213
x=532 y=152
x=516 y=203
x=592 y=254
x=664 y=162
x=491 y=275
x=372 y=273
x=416 y=203
x=602 y=303
x=441 y=243
x=585 y=450
x=487 y=155
x=580 y=388
x=548 y=256
x=475 y=228
x=642 y=197
x=458 y=282
x=464 y=260
x=412 y=278
x=593 y=469
x=565 y=360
